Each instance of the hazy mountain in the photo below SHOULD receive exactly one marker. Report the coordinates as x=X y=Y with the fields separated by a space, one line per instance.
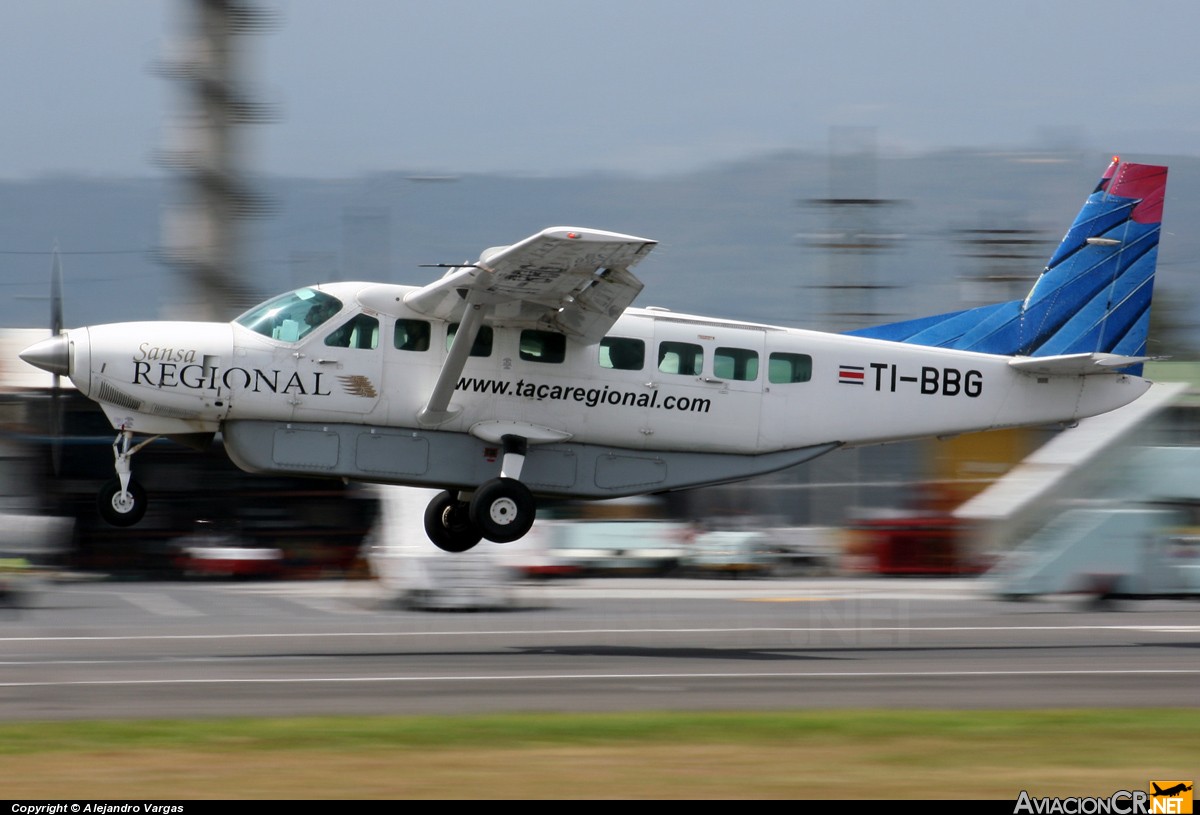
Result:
x=747 y=240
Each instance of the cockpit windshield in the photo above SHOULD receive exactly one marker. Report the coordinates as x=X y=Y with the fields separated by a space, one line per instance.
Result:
x=289 y=317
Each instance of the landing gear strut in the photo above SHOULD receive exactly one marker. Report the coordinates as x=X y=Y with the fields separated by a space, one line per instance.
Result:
x=122 y=501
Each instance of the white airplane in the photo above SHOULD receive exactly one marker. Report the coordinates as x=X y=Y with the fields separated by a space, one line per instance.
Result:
x=528 y=374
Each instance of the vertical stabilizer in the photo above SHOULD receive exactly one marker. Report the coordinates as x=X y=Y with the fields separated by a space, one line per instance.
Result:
x=1094 y=294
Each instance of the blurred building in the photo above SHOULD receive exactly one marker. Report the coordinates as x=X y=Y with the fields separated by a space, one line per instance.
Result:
x=56 y=452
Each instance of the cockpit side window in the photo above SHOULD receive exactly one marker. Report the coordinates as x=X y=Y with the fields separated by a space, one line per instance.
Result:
x=411 y=335
x=361 y=331
x=292 y=316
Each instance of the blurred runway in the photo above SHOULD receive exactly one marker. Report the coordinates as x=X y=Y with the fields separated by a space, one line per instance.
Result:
x=117 y=650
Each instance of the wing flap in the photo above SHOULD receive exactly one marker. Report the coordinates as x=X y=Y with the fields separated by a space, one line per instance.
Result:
x=573 y=280
x=1075 y=364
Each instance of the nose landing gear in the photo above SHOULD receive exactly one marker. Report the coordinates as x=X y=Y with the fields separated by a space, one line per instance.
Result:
x=122 y=501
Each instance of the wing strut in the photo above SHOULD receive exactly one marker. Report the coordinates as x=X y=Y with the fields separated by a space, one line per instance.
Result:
x=438 y=410
x=572 y=280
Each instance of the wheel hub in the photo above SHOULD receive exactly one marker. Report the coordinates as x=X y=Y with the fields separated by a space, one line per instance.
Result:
x=122 y=502
x=503 y=511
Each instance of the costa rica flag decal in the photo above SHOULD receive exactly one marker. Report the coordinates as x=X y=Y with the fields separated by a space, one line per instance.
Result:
x=851 y=374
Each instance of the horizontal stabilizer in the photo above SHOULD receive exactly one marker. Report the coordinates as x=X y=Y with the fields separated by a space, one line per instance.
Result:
x=1076 y=364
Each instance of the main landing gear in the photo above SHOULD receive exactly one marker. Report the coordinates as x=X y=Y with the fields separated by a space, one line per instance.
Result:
x=122 y=501
x=501 y=510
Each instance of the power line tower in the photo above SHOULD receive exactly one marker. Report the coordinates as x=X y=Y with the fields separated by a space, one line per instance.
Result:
x=1008 y=256
x=853 y=294
x=201 y=237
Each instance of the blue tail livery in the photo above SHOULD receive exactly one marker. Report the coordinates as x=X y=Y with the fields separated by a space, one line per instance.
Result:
x=1093 y=296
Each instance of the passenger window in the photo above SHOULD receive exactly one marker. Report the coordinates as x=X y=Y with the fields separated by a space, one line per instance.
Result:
x=360 y=332
x=543 y=346
x=680 y=358
x=735 y=363
x=786 y=368
x=483 y=340
x=411 y=335
x=622 y=353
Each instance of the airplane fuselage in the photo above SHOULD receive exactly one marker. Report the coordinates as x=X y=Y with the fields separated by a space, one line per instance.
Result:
x=528 y=373
x=660 y=383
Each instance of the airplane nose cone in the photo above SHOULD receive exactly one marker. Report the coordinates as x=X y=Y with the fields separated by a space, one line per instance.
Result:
x=52 y=355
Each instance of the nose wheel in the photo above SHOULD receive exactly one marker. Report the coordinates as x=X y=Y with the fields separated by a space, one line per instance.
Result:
x=121 y=506
x=122 y=501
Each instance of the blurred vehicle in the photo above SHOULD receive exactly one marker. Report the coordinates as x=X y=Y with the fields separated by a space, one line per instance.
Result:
x=761 y=552
x=531 y=557
x=475 y=581
x=606 y=547
x=16 y=582
x=732 y=554
x=31 y=554
x=412 y=574
x=911 y=544
x=215 y=550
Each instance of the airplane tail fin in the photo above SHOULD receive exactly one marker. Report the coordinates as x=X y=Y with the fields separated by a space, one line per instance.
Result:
x=1094 y=295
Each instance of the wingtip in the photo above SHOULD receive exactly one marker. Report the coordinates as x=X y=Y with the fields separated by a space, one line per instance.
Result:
x=581 y=233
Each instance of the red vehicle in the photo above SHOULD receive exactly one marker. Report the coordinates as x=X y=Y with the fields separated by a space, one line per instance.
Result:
x=915 y=545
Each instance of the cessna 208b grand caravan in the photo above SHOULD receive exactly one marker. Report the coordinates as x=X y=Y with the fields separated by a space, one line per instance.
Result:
x=527 y=374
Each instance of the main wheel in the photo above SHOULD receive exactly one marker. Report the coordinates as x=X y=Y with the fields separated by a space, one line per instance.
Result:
x=448 y=523
x=121 y=508
x=503 y=509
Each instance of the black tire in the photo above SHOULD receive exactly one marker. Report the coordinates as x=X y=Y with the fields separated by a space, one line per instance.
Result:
x=503 y=510
x=121 y=512
x=448 y=524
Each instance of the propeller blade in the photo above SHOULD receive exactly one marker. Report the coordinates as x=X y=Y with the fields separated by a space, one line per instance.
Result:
x=56 y=427
x=56 y=326
x=56 y=284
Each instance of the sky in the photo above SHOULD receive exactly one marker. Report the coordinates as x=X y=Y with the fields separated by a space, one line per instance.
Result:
x=552 y=87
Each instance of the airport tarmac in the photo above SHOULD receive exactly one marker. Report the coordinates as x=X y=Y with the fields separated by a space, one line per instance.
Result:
x=91 y=650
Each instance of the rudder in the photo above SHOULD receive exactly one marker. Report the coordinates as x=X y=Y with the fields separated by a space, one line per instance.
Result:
x=1093 y=296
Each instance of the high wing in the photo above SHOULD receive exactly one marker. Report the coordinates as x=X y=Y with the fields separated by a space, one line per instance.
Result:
x=567 y=279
